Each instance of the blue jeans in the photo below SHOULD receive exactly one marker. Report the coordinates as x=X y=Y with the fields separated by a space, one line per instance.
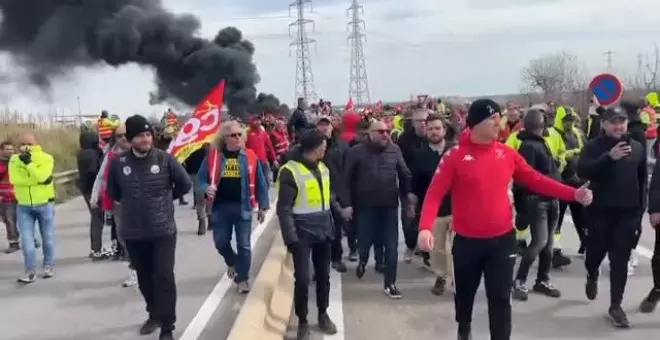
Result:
x=265 y=167
x=376 y=225
x=226 y=219
x=26 y=217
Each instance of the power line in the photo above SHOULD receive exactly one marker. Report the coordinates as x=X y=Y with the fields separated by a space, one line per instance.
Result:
x=608 y=55
x=358 y=87
x=304 y=75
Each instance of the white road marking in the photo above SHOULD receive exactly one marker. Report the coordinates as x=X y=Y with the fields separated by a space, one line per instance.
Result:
x=201 y=319
x=336 y=306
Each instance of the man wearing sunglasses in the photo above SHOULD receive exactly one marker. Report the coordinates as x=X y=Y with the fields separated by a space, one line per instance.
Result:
x=375 y=177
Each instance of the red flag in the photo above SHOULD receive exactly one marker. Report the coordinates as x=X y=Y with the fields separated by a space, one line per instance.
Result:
x=350 y=107
x=201 y=127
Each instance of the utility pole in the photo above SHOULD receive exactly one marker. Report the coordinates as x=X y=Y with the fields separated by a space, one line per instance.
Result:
x=358 y=87
x=304 y=75
x=608 y=55
x=80 y=120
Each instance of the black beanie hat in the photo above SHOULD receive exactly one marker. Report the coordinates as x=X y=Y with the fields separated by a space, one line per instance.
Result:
x=480 y=110
x=135 y=125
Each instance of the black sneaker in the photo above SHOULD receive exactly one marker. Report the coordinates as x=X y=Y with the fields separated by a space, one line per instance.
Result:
x=464 y=333
x=379 y=268
x=439 y=286
x=618 y=317
x=149 y=326
x=359 y=270
x=393 y=292
x=582 y=250
x=520 y=291
x=326 y=325
x=303 y=331
x=12 y=248
x=591 y=288
x=650 y=302
x=339 y=266
x=546 y=288
x=165 y=335
x=559 y=260
x=352 y=256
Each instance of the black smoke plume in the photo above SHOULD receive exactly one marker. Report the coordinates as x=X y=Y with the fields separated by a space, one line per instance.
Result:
x=49 y=38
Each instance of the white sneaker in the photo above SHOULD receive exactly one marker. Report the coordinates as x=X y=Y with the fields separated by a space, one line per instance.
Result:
x=131 y=281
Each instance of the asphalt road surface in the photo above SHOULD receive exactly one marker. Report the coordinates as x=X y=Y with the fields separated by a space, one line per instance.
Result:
x=85 y=300
x=362 y=311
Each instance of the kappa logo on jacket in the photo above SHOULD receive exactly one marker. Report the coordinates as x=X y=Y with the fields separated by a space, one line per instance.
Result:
x=468 y=157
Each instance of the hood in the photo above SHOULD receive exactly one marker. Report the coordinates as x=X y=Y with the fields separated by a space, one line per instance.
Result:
x=652 y=98
x=350 y=124
x=89 y=140
x=560 y=113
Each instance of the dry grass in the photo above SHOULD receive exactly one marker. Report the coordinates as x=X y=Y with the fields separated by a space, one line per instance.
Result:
x=57 y=139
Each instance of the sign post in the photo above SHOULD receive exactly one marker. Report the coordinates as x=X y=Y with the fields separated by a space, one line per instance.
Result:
x=606 y=88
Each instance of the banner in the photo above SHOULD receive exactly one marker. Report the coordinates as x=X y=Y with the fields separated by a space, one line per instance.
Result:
x=201 y=127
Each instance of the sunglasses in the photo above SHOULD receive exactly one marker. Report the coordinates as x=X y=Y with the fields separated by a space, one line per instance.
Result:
x=236 y=135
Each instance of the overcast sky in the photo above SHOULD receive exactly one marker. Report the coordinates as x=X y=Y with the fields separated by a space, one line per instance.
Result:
x=460 y=47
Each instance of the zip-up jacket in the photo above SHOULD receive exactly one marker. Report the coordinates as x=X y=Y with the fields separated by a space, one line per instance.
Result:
x=478 y=176
x=33 y=182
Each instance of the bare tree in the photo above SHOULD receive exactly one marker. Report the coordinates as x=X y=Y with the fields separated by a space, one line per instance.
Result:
x=558 y=77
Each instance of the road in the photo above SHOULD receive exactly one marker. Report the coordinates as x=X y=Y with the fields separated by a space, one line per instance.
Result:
x=85 y=299
x=362 y=311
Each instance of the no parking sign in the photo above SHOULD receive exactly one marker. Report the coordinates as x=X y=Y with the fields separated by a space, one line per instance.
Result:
x=606 y=88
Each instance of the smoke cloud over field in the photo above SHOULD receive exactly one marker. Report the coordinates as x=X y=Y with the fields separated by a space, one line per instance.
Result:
x=50 y=38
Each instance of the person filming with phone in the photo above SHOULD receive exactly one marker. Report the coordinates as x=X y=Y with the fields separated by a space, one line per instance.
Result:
x=615 y=165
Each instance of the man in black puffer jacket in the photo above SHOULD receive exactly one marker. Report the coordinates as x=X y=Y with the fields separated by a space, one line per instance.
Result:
x=375 y=176
x=145 y=181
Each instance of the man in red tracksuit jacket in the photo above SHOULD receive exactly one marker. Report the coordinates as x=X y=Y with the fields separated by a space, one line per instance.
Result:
x=259 y=141
x=478 y=172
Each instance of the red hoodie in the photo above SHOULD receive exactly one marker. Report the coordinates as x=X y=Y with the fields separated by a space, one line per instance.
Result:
x=259 y=141
x=478 y=176
x=350 y=122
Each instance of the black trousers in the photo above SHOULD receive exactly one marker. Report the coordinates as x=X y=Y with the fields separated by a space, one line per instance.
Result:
x=336 y=247
x=655 y=260
x=321 y=254
x=542 y=216
x=494 y=258
x=153 y=260
x=612 y=233
x=578 y=213
x=521 y=220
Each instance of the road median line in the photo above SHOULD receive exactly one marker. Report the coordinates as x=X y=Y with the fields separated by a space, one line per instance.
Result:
x=267 y=308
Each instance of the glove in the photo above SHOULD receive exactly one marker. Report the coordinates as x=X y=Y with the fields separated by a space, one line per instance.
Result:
x=25 y=157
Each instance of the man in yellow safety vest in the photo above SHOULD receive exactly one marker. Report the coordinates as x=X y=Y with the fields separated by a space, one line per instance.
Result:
x=105 y=127
x=305 y=216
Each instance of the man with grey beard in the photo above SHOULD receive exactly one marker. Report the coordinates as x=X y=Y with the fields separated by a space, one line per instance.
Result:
x=145 y=181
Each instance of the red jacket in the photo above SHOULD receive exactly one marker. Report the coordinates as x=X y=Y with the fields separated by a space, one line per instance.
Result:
x=478 y=176
x=106 y=201
x=259 y=141
x=6 y=188
x=280 y=141
x=350 y=123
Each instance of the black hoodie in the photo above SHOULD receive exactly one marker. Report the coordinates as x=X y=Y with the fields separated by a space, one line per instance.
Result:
x=90 y=157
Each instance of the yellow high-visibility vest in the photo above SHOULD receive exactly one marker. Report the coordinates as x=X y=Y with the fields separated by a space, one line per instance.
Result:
x=311 y=197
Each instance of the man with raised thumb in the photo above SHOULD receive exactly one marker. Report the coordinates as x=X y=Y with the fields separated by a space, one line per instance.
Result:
x=478 y=172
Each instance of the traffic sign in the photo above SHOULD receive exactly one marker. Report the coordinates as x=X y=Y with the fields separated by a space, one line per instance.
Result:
x=607 y=88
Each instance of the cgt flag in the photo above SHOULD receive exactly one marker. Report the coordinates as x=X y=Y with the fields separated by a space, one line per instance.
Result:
x=201 y=127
